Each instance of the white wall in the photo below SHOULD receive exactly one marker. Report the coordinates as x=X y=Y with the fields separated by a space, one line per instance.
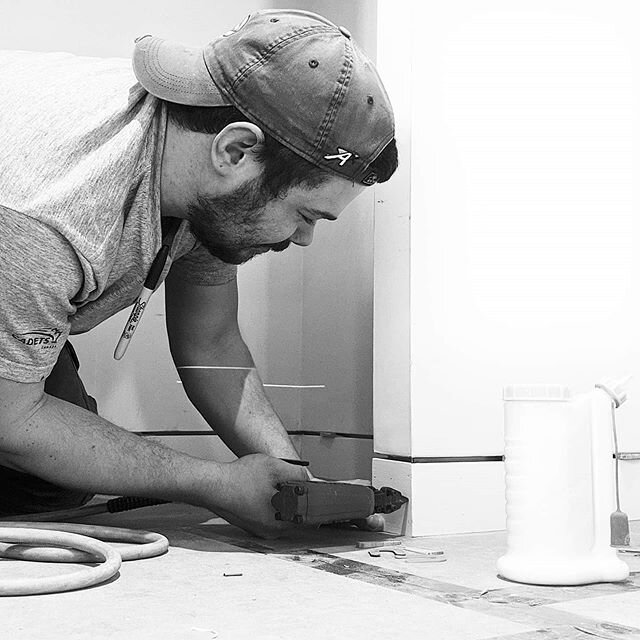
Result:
x=306 y=314
x=517 y=250
x=105 y=29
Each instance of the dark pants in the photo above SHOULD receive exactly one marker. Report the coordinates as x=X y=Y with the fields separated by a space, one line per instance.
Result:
x=24 y=493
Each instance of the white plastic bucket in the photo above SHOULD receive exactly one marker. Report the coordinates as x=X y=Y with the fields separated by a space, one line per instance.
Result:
x=559 y=487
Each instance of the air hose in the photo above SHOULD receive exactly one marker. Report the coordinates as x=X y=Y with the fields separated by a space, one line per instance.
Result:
x=80 y=543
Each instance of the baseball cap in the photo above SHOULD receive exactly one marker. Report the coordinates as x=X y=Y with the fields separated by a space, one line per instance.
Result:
x=295 y=74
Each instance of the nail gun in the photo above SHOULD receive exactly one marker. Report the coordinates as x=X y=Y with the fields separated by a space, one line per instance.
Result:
x=316 y=503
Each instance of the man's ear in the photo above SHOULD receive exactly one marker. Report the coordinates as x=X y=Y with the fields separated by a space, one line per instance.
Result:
x=230 y=146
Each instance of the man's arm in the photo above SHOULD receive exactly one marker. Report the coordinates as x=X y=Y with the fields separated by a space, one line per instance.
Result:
x=203 y=332
x=72 y=447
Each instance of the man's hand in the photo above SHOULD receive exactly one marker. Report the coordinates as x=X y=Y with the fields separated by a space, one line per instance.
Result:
x=250 y=483
x=76 y=449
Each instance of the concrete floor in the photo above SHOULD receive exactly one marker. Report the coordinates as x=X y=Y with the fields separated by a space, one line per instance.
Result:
x=314 y=584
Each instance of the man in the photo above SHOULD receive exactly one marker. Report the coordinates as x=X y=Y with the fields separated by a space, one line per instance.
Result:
x=221 y=154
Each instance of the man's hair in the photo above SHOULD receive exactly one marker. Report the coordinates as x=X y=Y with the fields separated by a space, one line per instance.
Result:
x=283 y=169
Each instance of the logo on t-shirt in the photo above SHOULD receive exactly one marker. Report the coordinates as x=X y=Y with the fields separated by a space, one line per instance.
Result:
x=46 y=338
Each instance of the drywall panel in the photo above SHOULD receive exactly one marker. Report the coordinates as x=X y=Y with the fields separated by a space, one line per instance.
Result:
x=142 y=392
x=337 y=323
x=520 y=228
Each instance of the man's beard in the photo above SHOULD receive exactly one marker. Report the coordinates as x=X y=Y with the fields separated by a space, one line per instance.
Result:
x=226 y=224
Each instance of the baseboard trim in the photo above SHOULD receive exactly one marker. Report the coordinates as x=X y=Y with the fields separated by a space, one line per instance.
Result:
x=319 y=434
x=438 y=459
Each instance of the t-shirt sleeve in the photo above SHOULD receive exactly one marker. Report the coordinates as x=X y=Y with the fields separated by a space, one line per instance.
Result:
x=39 y=276
x=201 y=268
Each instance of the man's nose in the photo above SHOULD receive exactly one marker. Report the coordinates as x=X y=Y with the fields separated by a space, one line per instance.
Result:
x=303 y=236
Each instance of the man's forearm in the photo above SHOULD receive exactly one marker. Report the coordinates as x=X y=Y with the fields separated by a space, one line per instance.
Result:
x=75 y=448
x=229 y=394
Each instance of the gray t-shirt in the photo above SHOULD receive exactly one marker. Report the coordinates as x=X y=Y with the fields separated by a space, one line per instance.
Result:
x=80 y=151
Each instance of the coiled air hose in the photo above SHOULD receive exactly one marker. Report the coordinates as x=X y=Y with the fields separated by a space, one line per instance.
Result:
x=80 y=543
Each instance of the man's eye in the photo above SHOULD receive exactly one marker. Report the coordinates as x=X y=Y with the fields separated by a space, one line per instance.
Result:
x=306 y=218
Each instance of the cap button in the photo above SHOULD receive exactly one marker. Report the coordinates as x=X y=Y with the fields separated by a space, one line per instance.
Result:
x=345 y=32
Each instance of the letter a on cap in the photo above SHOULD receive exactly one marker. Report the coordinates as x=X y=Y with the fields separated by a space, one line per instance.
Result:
x=343 y=155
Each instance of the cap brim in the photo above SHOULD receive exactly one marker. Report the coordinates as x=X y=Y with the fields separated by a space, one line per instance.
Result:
x=175 y=73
